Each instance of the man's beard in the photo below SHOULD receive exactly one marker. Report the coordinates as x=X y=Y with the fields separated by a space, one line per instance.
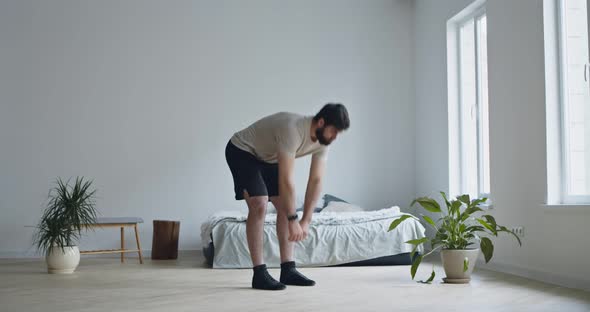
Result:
x=319 y=134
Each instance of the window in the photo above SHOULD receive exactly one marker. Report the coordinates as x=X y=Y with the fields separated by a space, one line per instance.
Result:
x=468 y=103
x=572 y=112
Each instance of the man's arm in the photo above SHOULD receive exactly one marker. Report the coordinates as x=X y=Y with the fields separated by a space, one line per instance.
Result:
x=287 y=193
x=314 y=186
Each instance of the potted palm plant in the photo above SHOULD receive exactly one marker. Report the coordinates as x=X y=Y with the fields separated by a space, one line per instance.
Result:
x=456 y=233
x=68 y=210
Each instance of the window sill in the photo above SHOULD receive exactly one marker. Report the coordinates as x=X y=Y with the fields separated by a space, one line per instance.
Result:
x=487 y=206
x=566 y=208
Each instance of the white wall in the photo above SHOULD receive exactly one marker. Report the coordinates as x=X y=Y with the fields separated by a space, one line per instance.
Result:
x=553 y=247
x=142 y=96
x=431 y=93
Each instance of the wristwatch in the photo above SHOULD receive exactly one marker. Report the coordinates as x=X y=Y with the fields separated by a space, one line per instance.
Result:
x=293 y=217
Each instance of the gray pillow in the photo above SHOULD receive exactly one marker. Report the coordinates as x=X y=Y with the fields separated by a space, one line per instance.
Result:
x=271 y=209
x=316 y=209
x=328 y=198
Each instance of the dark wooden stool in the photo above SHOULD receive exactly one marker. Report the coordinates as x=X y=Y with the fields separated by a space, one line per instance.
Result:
x=165 y=240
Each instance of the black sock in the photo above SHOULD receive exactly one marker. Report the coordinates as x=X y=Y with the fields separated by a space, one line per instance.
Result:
x=290 y=275
x=263 y=280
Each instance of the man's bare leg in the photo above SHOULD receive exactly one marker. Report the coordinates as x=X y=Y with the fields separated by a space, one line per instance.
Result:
x=255 y=226
x=255 y=236
x=289 y=273
x=285 y=246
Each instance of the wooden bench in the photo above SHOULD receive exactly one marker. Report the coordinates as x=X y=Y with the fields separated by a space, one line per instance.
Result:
x=120 y=223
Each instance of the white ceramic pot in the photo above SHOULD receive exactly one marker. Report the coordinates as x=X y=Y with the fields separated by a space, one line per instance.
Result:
x=63 y=261
x=452 y=260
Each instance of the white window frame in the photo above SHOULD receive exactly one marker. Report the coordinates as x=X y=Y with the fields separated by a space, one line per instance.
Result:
x=480 y=146
x=457 y=170
x=556 y=97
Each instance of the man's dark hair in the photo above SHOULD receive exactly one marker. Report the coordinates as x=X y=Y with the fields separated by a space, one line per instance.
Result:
x=334 y=114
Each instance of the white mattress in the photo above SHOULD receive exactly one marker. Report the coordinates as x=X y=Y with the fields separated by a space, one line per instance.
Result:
x=334 y=238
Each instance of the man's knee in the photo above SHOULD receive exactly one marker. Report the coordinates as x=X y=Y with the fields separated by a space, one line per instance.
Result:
x=256 y=205
x=279 y=207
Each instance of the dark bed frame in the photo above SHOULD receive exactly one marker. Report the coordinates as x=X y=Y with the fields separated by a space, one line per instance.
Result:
x=399 y=259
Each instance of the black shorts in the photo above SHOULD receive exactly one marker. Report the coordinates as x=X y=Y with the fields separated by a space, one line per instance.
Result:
x=257 y=177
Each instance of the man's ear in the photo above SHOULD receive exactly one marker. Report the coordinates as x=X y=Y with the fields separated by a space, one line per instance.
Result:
x=321 y=122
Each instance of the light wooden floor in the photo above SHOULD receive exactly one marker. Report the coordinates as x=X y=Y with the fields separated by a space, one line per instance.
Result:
x=104 y=284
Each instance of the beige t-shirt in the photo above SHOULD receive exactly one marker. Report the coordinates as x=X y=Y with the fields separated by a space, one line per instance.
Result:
x=286 y=132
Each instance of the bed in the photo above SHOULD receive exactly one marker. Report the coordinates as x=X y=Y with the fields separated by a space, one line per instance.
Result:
x=335 y=238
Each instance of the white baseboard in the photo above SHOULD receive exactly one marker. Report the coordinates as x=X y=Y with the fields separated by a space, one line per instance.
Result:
x=542 y=276
x=19 y=254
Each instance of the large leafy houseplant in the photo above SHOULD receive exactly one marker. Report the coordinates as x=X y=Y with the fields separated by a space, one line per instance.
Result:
x=456 y=229
x=69 y=209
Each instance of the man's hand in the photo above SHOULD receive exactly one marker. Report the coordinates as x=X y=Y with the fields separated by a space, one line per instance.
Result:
x=295 y=231
x=305 y=228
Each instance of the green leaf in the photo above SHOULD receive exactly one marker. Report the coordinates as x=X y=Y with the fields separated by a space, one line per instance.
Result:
x=444 y=195
x=478 y=201
x=465 y=264
x=413 y=253
x=487 y=226
x=475 y=228
x=464 y=198
x=429 y=220
x=487 y=248
x=455 y=206
x=469 y=211
x=415 y=265
x=428 y=204
x=492 y=223
x=397 y=222
x=417 y=241
x=430 y=279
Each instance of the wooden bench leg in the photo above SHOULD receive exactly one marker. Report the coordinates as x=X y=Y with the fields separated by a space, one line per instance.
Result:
x=122 y=244
x=138 y=245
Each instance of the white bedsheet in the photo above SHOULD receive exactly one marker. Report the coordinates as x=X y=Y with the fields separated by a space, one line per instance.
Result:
x=334 y=238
